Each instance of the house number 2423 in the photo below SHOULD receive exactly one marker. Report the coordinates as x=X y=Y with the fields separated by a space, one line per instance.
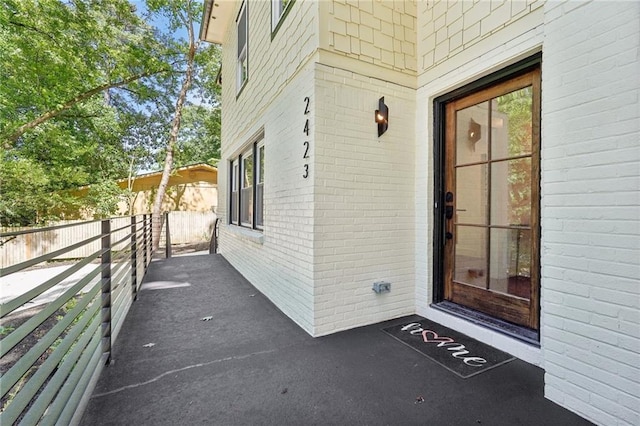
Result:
x=305 y=155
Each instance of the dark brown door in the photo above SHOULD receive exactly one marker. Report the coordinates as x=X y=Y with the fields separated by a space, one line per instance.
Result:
x=492 y=158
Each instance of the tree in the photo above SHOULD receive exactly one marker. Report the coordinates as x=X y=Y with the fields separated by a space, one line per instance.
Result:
x=24 y=186
x=199 y=139
x=87 y=88
x=56 y=55
x=60 y=156
x=180 y=13
x=59 y=64
x=200 y=128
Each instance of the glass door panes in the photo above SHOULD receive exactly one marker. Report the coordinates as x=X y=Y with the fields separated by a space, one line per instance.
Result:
x=493 y=193
x=490 y=167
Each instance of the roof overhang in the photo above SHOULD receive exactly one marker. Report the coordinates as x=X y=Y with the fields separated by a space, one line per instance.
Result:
x=215 y=19
x=179 y=176
x=200 y=172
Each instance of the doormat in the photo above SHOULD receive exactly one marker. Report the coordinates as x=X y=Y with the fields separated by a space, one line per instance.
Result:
x=455 y=351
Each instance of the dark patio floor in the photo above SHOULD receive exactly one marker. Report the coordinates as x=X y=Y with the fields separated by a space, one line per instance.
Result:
x=251 y=365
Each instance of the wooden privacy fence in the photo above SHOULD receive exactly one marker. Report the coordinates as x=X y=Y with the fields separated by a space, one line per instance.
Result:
x=57 y=328
x=191 y=227
x=185 y=228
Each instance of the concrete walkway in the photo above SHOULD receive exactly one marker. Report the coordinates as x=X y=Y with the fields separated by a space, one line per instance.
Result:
x=251 y=365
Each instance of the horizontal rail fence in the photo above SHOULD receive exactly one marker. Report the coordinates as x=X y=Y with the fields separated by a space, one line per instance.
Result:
x=186 y=228
x=57 y=324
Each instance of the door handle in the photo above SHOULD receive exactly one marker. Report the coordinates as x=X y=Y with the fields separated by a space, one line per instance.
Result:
x=448 y=212
x=448 y=197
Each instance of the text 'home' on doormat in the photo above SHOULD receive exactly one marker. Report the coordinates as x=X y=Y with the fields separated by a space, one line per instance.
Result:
x=455 y=351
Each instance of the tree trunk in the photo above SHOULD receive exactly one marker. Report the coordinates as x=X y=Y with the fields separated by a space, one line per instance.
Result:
x=173 y=137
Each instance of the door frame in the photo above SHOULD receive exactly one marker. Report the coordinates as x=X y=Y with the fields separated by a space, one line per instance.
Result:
x=439 y=142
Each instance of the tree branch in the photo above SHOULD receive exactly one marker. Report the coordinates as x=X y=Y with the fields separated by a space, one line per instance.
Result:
x=79 y=115
x=126 y=89
x=70 y=103
x=29 y=27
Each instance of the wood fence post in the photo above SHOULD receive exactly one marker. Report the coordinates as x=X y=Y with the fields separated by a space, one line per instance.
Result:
x=144 y=239
x=134 y=259
x=106 y=288
x=167 y=238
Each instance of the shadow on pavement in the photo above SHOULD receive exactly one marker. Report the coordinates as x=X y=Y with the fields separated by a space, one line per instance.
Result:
x=217 y=352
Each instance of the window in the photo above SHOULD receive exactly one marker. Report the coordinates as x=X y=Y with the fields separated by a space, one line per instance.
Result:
x=243 y=55
x=279 y=9
x=247 y=187
x=259 y=183
x=234 y=192
x=246 y=194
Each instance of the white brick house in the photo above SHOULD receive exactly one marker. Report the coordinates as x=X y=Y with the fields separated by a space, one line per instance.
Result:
x=527 y=112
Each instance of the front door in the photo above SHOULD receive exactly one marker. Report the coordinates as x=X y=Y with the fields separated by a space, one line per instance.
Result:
x=491 y=200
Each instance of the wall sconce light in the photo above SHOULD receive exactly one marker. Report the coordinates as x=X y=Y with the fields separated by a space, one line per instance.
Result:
x=382 y=117
x=474 y=131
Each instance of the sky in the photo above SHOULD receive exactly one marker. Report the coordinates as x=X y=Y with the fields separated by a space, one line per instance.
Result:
x=161 y=22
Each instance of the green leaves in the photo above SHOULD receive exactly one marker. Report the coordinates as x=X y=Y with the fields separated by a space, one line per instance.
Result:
x=88 y=90
x=199 y=140
x=53 y=52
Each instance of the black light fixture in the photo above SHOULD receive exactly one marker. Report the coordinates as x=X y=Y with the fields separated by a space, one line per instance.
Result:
x=382 y=117
x=474 y=131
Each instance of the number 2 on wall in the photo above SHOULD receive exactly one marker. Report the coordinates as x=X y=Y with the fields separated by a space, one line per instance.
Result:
x=306 y=107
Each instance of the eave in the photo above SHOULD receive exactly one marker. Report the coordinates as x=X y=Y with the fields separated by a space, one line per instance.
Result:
x=216 y=16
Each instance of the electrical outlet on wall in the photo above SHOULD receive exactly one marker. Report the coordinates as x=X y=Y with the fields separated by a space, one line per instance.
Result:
x=381 y=287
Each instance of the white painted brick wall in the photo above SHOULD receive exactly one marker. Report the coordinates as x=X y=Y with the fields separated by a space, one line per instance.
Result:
x=364 y=201
x=278 y=261
x=591 y=209
x=281 y=264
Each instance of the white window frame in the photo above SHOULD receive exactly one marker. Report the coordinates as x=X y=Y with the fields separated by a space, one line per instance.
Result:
x=247 y=155
x=242 y=72
x=235 y=175
x=278 y=9
x=258 y=202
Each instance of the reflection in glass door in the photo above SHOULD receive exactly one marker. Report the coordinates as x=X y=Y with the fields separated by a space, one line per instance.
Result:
x=492 y=198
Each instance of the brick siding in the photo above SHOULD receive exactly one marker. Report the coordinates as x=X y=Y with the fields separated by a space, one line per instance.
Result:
x=364 y=198
x=591 y=209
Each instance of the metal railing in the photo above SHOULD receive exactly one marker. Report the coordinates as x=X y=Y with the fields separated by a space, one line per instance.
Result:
x=58 y=324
